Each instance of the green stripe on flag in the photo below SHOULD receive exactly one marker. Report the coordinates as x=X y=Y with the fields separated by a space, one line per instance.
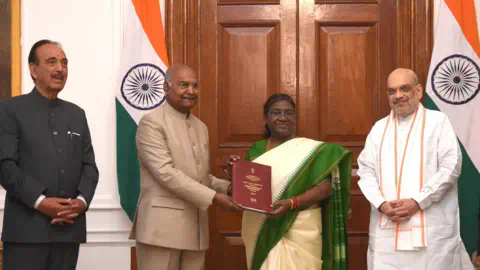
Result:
x=468 y=194
x=128 y=171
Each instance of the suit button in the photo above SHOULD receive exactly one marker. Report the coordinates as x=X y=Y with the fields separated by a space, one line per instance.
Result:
x=193 y=143
x=55 y=132
x=59 y=150
x=198 y=162
x=62 y=171
x=189 y=125
x=62 y=192
x=52 y=114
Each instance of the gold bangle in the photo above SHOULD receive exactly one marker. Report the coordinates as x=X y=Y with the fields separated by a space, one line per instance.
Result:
x=296 y=201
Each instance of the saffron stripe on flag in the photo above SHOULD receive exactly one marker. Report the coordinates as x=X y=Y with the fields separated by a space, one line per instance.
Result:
x=148 y=11
x=464 y=13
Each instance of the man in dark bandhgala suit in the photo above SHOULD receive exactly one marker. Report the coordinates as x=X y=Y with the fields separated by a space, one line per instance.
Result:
x=47 y=167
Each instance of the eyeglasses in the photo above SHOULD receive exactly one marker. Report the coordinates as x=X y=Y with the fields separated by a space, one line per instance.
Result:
x=404 y=89
x=278 y=114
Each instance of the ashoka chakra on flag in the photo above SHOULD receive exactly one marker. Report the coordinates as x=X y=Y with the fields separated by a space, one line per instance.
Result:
x=142 y=86
x=456 y=79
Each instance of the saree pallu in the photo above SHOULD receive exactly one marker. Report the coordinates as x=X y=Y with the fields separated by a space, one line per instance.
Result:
x=314 y=238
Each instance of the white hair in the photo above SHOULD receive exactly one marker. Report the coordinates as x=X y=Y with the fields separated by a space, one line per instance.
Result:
x=168 y=77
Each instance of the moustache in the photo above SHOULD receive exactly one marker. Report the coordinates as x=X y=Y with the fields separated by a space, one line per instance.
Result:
x=58 y=76
x=399 y=101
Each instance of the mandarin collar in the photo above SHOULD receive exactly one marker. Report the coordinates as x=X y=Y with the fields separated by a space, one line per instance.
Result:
x=175 y=113
x=52 y=103
x=408 y=118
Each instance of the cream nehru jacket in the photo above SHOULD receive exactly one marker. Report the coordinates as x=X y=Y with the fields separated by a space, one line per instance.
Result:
x=176 y=186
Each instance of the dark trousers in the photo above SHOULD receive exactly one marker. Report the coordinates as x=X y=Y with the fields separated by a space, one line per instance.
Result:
x=50 y=256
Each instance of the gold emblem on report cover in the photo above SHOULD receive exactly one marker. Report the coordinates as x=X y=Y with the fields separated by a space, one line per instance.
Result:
x=252 y=177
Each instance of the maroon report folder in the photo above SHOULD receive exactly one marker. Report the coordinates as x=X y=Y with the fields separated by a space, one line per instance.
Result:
x=252 y=186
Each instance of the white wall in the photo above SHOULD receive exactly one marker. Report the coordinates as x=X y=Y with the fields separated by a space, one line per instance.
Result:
x=91 y=34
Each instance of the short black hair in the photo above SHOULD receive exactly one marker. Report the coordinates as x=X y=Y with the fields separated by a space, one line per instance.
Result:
x=32 y=56
x=272 y=100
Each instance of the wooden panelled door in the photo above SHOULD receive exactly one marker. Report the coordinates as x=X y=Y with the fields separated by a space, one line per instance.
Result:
x=323 y=54
x=332 y=56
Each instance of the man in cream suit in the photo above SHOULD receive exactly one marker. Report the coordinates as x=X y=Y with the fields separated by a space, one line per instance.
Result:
x=176 y=187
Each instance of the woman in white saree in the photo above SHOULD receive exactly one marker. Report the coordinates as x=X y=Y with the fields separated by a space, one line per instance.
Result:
x=310 y=189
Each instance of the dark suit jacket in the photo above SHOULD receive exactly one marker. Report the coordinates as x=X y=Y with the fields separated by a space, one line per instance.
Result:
x=45 y=148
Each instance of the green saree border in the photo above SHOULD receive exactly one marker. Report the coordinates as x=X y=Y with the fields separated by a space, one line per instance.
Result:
x=321 y=158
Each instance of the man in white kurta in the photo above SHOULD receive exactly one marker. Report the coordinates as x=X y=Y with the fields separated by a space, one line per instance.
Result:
x=408 y=171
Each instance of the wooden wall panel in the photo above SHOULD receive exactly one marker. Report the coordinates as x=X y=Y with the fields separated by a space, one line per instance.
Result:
x=358 y=206
x=181 y=34
x=5 y=50
x=388 y=51
x=357 y=251
x=422 y=17
x=348 y=1
x=256 y=58
x=341 y=99
x=133 y=259
x=347 y=13
x=338 y=28
x=244 y=2
x=346 y=82
x=358 y=227
x=415 y=35
x=247 y=52
x=405 y=33
x=230 y=222
x=16 y=47
x=249 y=14
x=248 y=69
x=181 y=24
x=233 y=247
x=346 y=68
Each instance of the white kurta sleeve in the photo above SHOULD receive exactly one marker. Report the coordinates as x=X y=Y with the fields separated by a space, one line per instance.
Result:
x=368 y=182
x=449 y=167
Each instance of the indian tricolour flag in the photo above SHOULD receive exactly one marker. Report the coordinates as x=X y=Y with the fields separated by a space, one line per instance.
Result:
x=453 y=87
x=140 y=88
